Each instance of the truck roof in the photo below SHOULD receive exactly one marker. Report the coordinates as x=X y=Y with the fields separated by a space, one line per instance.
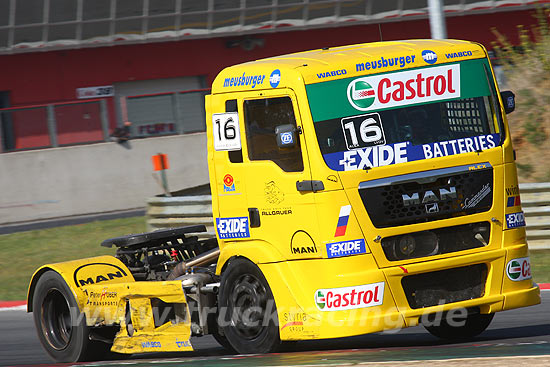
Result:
x=343 y=62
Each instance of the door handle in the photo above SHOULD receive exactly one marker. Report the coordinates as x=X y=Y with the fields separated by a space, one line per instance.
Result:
x=310 y=185
x=254 y=217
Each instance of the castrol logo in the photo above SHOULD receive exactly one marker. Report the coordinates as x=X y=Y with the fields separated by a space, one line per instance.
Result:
x=405 y=88
x=348 y=298
x=519 y=269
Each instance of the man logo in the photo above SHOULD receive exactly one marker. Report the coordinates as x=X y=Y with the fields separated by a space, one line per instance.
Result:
x=361 y=94
x=429 y=56
x=432 y=208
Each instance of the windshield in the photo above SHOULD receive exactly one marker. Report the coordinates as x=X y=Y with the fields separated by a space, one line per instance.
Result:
x=423 y=113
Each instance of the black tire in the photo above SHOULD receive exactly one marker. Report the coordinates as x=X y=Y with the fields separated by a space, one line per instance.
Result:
x=248 y=315
x=472 y=325
x=61 y=327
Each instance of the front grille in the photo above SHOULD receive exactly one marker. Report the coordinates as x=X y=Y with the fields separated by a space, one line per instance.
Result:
x=428 y=196
x=445 y=286
x=437 y=241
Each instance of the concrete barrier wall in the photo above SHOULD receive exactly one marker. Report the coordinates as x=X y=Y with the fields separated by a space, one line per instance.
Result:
x=96 y=178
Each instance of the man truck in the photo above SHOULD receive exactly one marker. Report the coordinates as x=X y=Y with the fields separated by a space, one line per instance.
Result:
x=355 y=189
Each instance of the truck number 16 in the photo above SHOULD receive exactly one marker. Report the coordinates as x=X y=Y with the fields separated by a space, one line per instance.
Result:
x=226 y=131
x=367 y=127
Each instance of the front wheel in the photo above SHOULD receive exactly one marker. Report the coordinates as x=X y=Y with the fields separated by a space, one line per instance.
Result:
x=61 y=327
x=468 y=327
x=248 y=315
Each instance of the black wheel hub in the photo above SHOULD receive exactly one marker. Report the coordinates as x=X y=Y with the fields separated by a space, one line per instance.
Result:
x=247 y=306
x=56 y=319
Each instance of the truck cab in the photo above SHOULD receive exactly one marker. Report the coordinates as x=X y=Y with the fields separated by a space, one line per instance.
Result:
x=372 y=186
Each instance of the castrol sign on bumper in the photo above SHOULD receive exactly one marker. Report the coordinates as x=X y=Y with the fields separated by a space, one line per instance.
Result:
x=519 y=269
x=405 y=88
x=348 y=298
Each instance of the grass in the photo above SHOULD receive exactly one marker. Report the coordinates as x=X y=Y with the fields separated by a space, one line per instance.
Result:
x=540 y=265
x=22 y=253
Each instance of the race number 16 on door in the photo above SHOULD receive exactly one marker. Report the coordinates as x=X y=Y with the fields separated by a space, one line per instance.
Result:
x=226 y=131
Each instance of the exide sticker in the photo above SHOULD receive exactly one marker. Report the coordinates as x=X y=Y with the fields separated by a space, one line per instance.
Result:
x=384 y=155
x=519 y=269
x=236 y=227
x=515 y=220
x=347 y=298
x=405 y=88
x=346 y=248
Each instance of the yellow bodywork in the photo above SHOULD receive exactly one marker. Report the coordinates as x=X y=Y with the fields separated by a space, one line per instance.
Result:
x=290 y=245
x=295 y=277
x=107 y=294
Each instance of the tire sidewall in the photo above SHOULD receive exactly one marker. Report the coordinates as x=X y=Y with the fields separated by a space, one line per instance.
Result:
x=268 y=340
x=78 y=341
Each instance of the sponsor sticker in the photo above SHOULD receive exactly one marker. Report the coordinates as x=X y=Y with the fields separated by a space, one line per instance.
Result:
x=343 y=218
x=363 y=131
x=149 y=344
x=513 y=201
x=183 y=343
x=480 y=195
x=348 y=298
x=515 y=220
x=248 y=80
x=383 y=63
x=454 y=55
x=405 y=88
x=286 y=138
x=519 y=269
x=236 y=227
x=512 y=190
x=384 y=155
x=332 y=73
x=429 y=56
x=275 y=78
x=94 y=273
x=228 y=183
x=346 y=248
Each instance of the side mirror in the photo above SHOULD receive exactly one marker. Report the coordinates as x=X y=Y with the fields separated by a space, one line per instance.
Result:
x=286 y=136
x=509 y=100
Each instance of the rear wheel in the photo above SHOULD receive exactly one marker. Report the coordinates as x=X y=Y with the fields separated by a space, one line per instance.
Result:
x=61 y=327
x=468 y=327
x=248 y=315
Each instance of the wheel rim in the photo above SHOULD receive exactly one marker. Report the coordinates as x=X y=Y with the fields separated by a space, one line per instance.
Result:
x=248 y=306
x=56 y=319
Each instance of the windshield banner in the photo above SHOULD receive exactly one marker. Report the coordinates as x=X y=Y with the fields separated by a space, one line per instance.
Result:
x=345 y=97
x=384 y=155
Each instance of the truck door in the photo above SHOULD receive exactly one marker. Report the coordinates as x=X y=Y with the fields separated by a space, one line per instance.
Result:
x=279 y=195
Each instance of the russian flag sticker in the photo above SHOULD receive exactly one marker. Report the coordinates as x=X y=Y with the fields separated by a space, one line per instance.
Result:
x=513 y=201
x=343 y=220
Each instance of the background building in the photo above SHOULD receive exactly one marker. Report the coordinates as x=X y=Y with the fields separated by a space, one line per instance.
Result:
x=73 y=70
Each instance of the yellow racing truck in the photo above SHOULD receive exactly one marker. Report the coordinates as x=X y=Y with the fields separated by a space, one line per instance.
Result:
x=354 y=189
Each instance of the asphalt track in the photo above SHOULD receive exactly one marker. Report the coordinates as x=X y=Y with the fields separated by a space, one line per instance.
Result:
x=521 y=332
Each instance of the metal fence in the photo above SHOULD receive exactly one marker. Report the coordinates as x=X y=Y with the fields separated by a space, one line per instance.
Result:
x=53 y=125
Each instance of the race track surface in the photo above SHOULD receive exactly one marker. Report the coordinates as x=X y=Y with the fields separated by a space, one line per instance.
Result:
x=523 y=332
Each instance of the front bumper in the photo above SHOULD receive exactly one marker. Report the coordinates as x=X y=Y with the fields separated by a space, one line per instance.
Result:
x=500 y=292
